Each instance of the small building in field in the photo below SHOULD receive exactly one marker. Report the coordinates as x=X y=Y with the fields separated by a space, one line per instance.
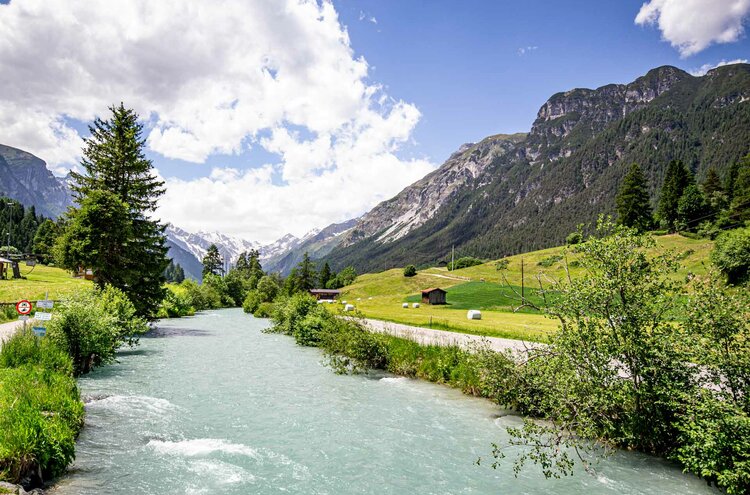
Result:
x=433 y=296
x=328 y=294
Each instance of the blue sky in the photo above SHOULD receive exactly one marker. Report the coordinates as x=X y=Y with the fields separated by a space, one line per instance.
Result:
x=476 y=68
x=275 y=116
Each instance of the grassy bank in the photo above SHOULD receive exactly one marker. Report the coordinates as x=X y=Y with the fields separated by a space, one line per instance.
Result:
x=494 y=291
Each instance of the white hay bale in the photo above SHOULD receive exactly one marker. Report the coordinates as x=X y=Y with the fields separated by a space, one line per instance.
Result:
x=349 y=307
x=415 y=305
x=474 y=314
x=405 y=305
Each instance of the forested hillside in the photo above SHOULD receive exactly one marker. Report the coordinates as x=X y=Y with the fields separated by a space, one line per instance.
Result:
x=568 y=169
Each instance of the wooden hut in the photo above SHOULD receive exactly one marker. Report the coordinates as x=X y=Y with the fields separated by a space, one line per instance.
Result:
x=434 y=295
x=327 y=294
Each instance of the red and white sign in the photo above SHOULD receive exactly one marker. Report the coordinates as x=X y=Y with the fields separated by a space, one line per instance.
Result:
x=23 y=307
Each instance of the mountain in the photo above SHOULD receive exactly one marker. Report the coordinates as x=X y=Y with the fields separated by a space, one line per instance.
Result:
x=509 y=194
x=317 y=243
x=25 y=178
x=188 y=249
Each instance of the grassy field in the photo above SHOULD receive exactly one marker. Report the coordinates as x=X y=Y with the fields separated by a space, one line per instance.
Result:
x=484 y=287
x=38 y=281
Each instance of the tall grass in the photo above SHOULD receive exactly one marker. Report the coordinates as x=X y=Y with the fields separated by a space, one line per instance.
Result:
x=40 y=409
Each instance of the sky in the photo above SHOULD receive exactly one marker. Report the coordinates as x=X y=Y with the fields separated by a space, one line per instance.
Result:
x=272 y=116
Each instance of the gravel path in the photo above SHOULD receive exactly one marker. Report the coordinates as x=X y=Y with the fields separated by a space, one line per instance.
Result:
x=8 y=329
x=428 y=336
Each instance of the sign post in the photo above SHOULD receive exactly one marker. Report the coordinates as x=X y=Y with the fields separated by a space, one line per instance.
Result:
x=23 y=307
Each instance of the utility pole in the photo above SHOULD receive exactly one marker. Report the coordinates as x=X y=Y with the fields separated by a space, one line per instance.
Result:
x=453 y=254
x=10 y=220
x=523 y=298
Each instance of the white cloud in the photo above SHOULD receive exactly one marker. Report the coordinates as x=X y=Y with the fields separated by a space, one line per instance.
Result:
x=701 y=71
x=211 y=78
x=526 y=49
x=692 y=25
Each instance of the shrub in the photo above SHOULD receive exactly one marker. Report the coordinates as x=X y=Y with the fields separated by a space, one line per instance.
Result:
x=88 y=331
x=410 y=271
x=201 y=296
x=290 y=311
x=264 y=310
x=251 y=302
x=574 y=238
x=129 y=326
x=176 y=303
x=731 y=255
x=217 y=285
x=550 y=260
x=464 y=262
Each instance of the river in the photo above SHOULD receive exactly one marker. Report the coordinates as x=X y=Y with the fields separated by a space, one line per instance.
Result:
x=210 y=404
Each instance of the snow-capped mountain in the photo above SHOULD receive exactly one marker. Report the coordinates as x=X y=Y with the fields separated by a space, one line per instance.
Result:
x=279 y=246
x=197 y=244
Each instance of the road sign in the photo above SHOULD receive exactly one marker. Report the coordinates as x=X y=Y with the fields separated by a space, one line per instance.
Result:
x=23 y=317
x=42 y=316
x=40 y=331
x=23 y=307
x=46 y=304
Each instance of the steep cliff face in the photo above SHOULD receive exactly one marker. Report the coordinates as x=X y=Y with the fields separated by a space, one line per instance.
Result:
x=418 y=203
x=566 y=171
x=25 y=178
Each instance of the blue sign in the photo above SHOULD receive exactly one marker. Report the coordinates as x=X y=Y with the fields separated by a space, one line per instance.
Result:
x=40 y=331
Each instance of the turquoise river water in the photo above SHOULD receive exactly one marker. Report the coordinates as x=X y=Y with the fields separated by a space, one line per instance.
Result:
x=210 y=404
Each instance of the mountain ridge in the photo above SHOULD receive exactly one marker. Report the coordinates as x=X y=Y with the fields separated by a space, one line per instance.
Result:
x=567 y=169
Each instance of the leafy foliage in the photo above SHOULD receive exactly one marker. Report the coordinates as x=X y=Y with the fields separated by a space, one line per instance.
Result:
x=410 y=271
x=731 y=255
x=464 y=262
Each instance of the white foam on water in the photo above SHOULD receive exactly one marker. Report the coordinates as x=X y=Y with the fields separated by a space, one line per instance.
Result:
x=202 y=447
x=141 y=403
x=394 y=379
x=223 y=472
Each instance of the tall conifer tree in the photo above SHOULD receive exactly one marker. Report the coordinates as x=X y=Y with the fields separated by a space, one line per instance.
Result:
x=676 y=180
x=114 y=161
x=213 y=264
x=633 y=206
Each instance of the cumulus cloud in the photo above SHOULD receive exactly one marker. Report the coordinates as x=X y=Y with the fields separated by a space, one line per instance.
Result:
x=703 y=69
x=213 y=78
x=526 y=49
x=692 y=25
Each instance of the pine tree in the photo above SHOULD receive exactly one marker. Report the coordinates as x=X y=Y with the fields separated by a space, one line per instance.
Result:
x=213 y=264
x=740 y=205
x=712 y=184
x=633 y=206
x=306 y=275
x=677 y=178
x=325 y=275
x=114 y=161
x=692 y=209
x=45 y=239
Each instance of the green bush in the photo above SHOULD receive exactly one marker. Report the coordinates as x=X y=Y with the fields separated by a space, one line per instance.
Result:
x=550 y=260
x=731 y=255
x=264 y=310
x=252 y=301
x=176 y=303
x=86 y=329
x=410 y=271
x=574 y=238
x=201 y=297
x=464 y=262
x=129 y=326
